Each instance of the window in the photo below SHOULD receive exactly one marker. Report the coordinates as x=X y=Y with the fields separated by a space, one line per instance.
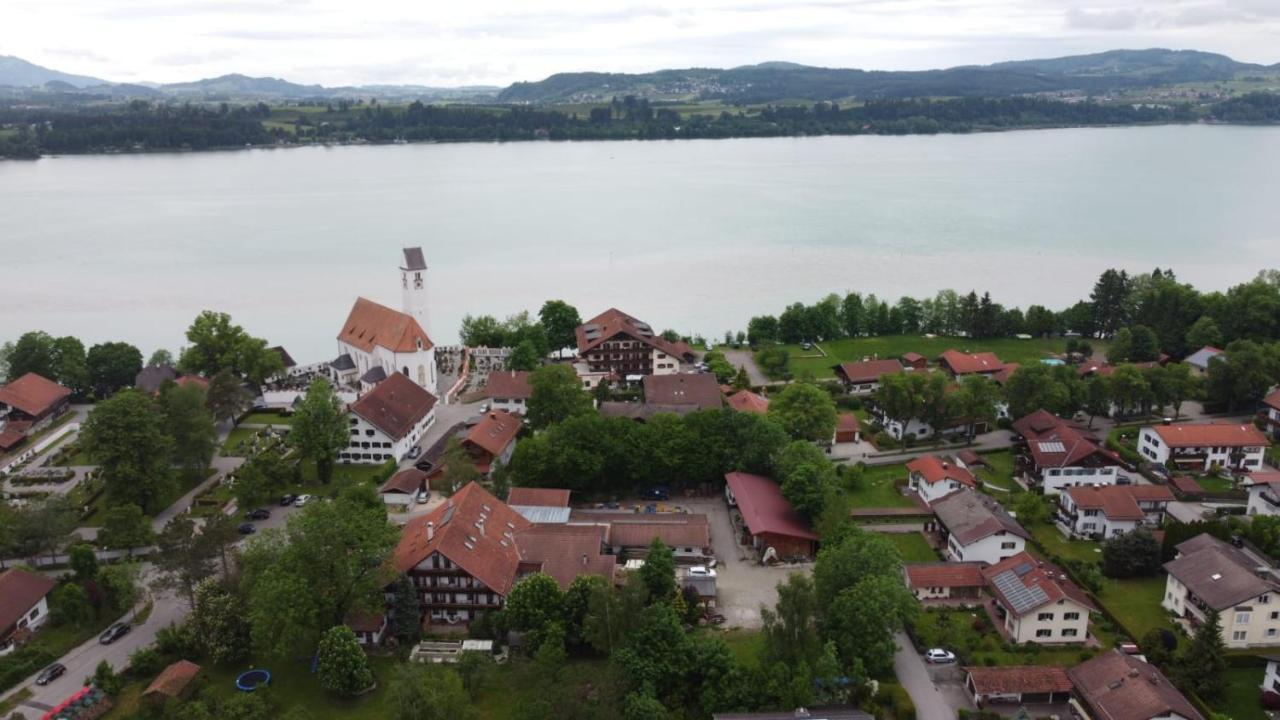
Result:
x=1272 y=632
x=1071 y=616
x=1070 y=632
x=1044 y=633
x=1045 y=617
x=35 y=612
x=1238 y=635
x=1242 y=618
x=1275 y=615
x=1008 y=545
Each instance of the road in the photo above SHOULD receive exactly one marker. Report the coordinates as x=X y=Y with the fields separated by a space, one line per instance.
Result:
x=914 y=675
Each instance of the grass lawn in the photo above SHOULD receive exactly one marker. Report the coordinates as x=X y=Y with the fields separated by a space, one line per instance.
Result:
x=876 y=490
x=267 y=418
x=913 y=547
x=1136 y=603
x=238 y=442
x=969 y=634
x=746 y=645
x=1242 y=698
x=514 y=686
x=345 y=473
x=1215 y=483
x=854 y=349
x=1001 y=472
x=1056 y=544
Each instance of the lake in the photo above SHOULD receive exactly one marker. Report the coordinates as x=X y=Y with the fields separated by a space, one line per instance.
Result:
x=695 y=235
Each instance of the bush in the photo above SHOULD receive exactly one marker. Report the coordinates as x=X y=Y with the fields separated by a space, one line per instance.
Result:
x=145 y=662
x=884 y=440
x=1004 y=423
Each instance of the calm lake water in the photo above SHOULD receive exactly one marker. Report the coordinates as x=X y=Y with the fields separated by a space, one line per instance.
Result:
x=697 y=235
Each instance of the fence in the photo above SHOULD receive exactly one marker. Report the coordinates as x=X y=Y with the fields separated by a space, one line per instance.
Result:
x=41 y=446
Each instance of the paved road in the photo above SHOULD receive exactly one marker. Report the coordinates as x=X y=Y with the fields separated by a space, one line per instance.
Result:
x=745 y=358
x=913 y=673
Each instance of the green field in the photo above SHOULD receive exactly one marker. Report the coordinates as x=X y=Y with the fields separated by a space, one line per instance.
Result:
x=266 y=418
x=1000 y=473
x=855 y=349
x=1136 y=603
x=913 y=547
x=1242 y=700
x=1056 y=544
x=875 y=488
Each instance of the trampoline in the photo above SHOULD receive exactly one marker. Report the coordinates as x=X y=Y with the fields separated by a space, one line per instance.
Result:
x=252 y=680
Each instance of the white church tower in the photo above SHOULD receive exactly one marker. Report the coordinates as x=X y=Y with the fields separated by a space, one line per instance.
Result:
x=413 y=283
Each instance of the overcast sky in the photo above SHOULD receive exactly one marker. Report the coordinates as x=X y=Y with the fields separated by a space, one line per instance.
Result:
x=338 y=42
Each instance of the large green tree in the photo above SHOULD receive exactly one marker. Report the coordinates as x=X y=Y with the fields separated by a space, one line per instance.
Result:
x=126 y=437
x=805 y=411
x=561 y=320
x=320 y=429
x=183 y=559
x=218 y=344
x=1202 y=665
x=556 y=394
x=190 y=424
x=659 y=572
x=901 y=398
x=806 y=476
x=863 y=618
x=226 y=396
x=791 y=626
x=218 y=621
x=112 y=366
x=427 y=692
x=534 y=603
x=34 y=352
x=125 y=527
x=341 y=665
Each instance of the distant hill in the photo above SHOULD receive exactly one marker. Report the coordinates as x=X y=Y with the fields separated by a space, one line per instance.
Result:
x=17 y=72
x=237 y=85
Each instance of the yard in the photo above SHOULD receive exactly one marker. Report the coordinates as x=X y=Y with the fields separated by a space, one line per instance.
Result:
x=1242 y=700
x=875 y=488
x=855 y=349
x=913 y=547
x=1055 y=544
x=969 y=634
x=1000 y=473
x=239 y=442
x=1136 y=604
x=266 y=418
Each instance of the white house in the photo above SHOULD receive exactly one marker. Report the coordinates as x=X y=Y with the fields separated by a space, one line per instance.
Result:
x=863 y=378
x=509 y=390
x=401 y=490
x=1203 y=446
x=24 y=604
x=388 y=420
x=1200 y=359
x=1059 y=454
x=1211 y=574
x=1264 y=493
x=1036 y=602
x=377 y=341
x=1102 y=512
x=933 y=477
x=977 y=529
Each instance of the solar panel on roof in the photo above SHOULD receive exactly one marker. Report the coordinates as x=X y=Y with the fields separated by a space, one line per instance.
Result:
x=1022 y=569
x=1021 y=597
x=1052 y=447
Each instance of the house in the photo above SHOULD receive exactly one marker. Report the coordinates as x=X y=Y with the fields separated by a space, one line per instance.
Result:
x=492 y=440
x=173 y=683
x=1200 y=447
x=848 y=429
x=1115 y=686
x=31 y=403
x=540 y=505
x=688 y=535
x=1036 y=602
x=959 y=364
x=770 y=524
x=1264 y=493
x=698 y=390
x=934 y=477
x=1103 y=512
x=1002 y=376
x=642 y=411
x=509 y=391
x=1211 y=574
x=388 y=420
x=915 y=361
x=616 y=342
x=150 y=378
x=24 y=602
x=1271 y=677
x=1018 y=685
x=1057 y=454
x=1271 y=412
x=1200 y=359
x=945 y=580
x=976 y=529
x=399 y=490
x=863 y=378
x=369 y=628
x=466 y=555
x=747 y=401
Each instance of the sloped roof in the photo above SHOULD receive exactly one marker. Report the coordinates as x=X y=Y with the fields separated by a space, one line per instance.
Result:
x=33 y=394
x=1113 y=500
x=14 y=433
x=1217 y=573
x=868 y=371
x=509 y=385
x=395 y=405
x=413 y=259
x=1273 y=399
x=1203 y=356
x=407 y=481
x=369 y=324
x=970 y=363
x=1056 y=443
x=285 y=358
x=150 y=378
x=934 y=469
x=684 y=531
x=538 y=497
x=698 y=389
x=20 y=591
x=912 y=357
x=173 y=680
x=944 y=574
x=1122 y=687
x=971 y=516
x=747 y=401
x=192 y=380
x=1210 y=435
x=1025 y=584
x=763 y=508
x=643 y=411
x=613 y=321
x=1019 y=679
x=495 y=431
x=566 y=551
x=1002 y=375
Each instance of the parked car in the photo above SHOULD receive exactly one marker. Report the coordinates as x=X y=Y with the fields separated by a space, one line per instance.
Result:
x=114 y=633
x=423 y=497
x=658 y=492
x=287 y=500
x=51 y=673
x=709 y=347
x=938 y=655
x=257 y=514
x=713 y=618
x=301 y=500
x=414 y=452
x=247 y=529
x=806 y=345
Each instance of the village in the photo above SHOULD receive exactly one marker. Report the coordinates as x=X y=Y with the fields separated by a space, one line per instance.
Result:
x=917 y=534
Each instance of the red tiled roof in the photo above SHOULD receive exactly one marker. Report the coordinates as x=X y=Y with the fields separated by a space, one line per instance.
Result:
x=195 y=380
x=679 y=531
x=1149 y=493
x=566 y=551
x=15 y=431
x=495 y=431
x=868 y=370
x=395 y=405
x=1056 y=443
x=1115 y=502
x=613 y=321
x=369 y=324
x=847 y=422
x=538 y=497
x=971 y=458
x=33 y=394
x=490 y=556
x=971 y=516
x=1268 y=477
x=1002 y=375
x=1122 y=687
x=19 y=592
x=1032 y=573
x=747 y=401
x=969 y=363
x=174 y=679
x=365 y=622
x=763 y=508
x=508 y=385
x=944 y=574
x=934 y=469
x=1273 y=399
x=407 y=481
x=912 y=357
x=1019 y=679
x=1186 y=484
x=683 y=389
x=1210 y=435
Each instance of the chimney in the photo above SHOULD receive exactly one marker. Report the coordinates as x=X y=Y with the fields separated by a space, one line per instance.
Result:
x=431 y=531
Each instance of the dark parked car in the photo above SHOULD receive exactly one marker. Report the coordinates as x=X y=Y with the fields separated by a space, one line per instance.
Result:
x=257 y=514
x=657 y=492
x=247 y=529
x=287 y=500
x=114 y=633
x=51 y=673
x=414 y=452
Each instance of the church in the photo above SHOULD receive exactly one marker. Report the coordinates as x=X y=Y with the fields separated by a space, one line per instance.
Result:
x=377 y=341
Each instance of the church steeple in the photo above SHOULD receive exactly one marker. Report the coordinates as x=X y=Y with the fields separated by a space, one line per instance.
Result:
x=413 y=284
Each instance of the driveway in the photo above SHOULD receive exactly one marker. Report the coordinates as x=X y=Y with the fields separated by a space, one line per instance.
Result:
x=746 y=359
x=937 y=691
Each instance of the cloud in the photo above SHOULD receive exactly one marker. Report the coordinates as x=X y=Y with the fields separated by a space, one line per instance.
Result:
x=78 y=54
x=183 y=59
x=1102 y=19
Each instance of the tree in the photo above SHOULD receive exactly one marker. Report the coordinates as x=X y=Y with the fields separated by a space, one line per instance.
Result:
x=936 y=407
x=1110 y=300
x=406 y=611
x=741 y=380
x=1202 y=664
x=34 y=352
x=642 y=706
x=427 y=692
x=226 y=396
x=1033 y=387
x=524 y=357
x=901 y=399
x=341 y=665
x=482 y=331
x=218 y=344
x=38 y=525
x=658 y=574
x=1134 y=554
x=1145 y=346
x=218 y=621
x=190 y=425
x=1129 y=389
x=863 y=618
x=762 y=329
x=1097 y=397
x=534 y=603
x=975 y=402
x=1179 y=385
x=69 y=605
x=561 y=321
x=1031 y=509
x=218 y=538
x=611 y=613
x=83 y=562
x=1203 y=332
x=112 y=366
x=774 y=361
x=126 y=437
x=857 y=555
x=320 y=428
x=556 y=394
x=851 y=315
x=807 y=477
x=791 y=627
x=125 y=527
x=119 y=584
x=1040 y=321
x=182 y=560
x=160 y=358
x=69 y=366
x=1244 y=376
x=106 y=680
x=805 y=411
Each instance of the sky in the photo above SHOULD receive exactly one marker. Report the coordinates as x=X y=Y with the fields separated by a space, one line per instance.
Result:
x=496 y=42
